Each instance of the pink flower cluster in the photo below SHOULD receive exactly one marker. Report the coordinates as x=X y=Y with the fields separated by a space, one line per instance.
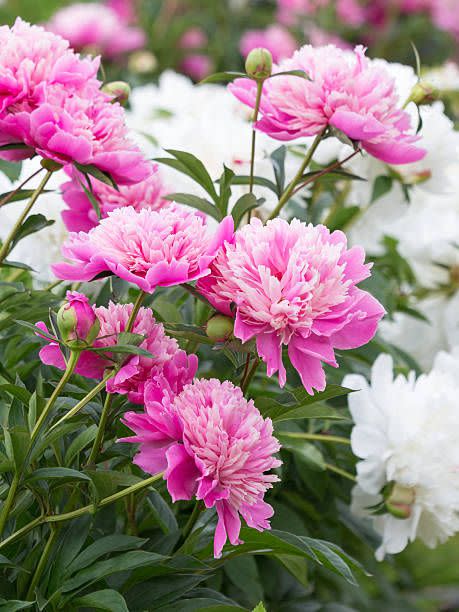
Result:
x=146 y=247
x=196 y=63
x=51 y=102
x=213 y=444
x=295 y=285
x=96 y=28
x=276 y=39
x=81 y=215
x=168 y=362
x=345 y=91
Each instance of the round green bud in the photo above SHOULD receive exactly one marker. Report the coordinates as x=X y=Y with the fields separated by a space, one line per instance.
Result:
x=259 y=63
x=220 y=328
x=50 y=165
x=423 y=93
x=118 y=90
x=400 y=500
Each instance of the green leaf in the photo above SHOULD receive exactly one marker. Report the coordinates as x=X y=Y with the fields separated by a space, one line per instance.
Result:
x=381 y=186
x=195 y=202
x=18 y=392
x=101 y=547
x=35 y=329
x=79 y=443
x=123 y=349
x=297 y=73
x=31 y=225
x=120 y=563
x=340 y=218
x=243 y=573
x=196 y=169
x=225 y=182
x=12 y=605
x=244 y=179
x=56 y=473
x=15 y=264
x=92 y=198
x=243 y=205
x=12 y=146
x=162 y=513
x=259 y=607
x=22 y=194
x=278 y=163
x=106 y=599
x=305 y=451
x=11 y=169
x=100 y=175
x=297 y=567
x=16 y=441
x=223 y=77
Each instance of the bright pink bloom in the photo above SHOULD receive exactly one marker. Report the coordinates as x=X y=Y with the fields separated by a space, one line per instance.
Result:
x=194 y=38
x=288 y=11
x=295 y=285
x=197 y=66
x=276 y=39
x=125 y=9
x=345 y=91
x=445 y=15
x=96 y=28
x=169 y=363
x=213 y=444
x=50 y=100
x=76 y=318
x=81 y=215
x=146 y=247
x=351 y=12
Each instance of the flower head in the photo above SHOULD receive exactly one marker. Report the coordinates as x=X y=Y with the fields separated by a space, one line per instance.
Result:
x=409 y=457
x=78 y=323
x=212 y=444
x=276 y=39
x=146 y=247
x=296 y=285
x=51 y=104
x=345 y=91
x=168 y=361
x=97 y=28
x=81 y=215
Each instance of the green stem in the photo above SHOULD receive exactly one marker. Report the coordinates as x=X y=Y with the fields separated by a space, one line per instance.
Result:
x=10 y=238
x=248 y=379
x=42 y=563
x=52 y=286
x=318 y=437
x=254 y=138
x=8 y=502
x=135 y=311
x=97 y=446
x=291 y=186
x=82 y=403
x=89 y=509
x=337 y=470
x=9 y=195
x=71 y=364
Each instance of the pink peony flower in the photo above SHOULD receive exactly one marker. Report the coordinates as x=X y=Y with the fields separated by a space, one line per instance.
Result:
x=169 y=363
x=96 y=28
x=212 y=444
x=194 y=38
x=346 y=91
x=445 y=15
x=81 y=216
x=276 y=39
x=351 y=12
x=50 y=101
x=78 y=323
x=146 y=247
x=197 y=66
x=288 y=11
x=295 y=285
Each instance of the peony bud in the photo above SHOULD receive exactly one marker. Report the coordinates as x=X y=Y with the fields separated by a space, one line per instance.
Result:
x=259 y=63
x=400 y=501
x=77 y=321
x=220 y=328
x=424 y=93
x=50 y=165
x=118 y=90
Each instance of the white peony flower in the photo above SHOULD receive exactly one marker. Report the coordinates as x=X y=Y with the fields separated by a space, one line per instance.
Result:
x=445 y=78
x=43 y=248
x=405 y=434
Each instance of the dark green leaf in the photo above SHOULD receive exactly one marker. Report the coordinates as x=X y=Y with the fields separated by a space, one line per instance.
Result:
x=223 y=77
x=11 y=169
x=22 y=194
x=106 y=599
x=303 y=450
x=100 y=175
x=92 y=198
x=297 y=73
x=195 y=169
x=162 y=512
x=195 y=202
x=340 y=218
x=243 y=205
x=101 y=547
x=56 y=472
x=123 y=349
x=20 y=393
x=381 y=186
x=14 y=146
x=31 y=225
x=244 y=179
x=80 y=442
x=278 y=162
x=12 y=605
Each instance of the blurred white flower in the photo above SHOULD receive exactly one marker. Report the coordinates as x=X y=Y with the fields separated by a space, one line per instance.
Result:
x=445 y=77
x=405 y=434
x=43 y=248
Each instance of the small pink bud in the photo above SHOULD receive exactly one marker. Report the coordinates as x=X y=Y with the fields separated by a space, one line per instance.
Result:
x=77 y=321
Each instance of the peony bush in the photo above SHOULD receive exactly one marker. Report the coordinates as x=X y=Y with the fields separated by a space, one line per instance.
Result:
x=229 y=344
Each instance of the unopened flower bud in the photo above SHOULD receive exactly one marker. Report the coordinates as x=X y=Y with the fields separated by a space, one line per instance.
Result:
x=400 y=501
x=259 y=63
x=77 y=322
x=424 y=93
x=220 y=328
x=142 y=62
x=118 y=90
x=50 y=165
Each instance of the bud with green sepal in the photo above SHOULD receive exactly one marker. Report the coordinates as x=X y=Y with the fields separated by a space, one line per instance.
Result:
x=399 y=500
x=259 y=64
x=77 y=322
x=220 y=328
x=118 y=90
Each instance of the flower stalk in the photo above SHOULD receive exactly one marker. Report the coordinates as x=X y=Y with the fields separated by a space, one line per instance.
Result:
x=99 y=440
